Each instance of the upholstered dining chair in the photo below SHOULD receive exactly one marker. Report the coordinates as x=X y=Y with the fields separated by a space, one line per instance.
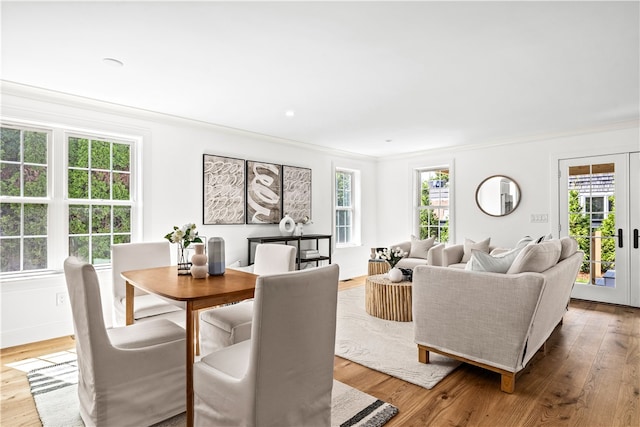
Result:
x=283 y=375
x=223 y=326
x=134 y=256
x=127 y=376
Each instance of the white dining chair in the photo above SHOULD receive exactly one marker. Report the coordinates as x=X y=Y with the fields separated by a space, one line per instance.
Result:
x=230 y=324
x=134 y=256
x=283 y=375
x=127 y=376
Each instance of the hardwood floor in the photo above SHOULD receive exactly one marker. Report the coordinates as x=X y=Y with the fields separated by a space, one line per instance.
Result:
x=590 y=376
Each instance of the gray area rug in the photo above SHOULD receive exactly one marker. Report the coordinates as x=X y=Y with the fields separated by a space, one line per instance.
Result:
x=55 y=392
x=384 y=345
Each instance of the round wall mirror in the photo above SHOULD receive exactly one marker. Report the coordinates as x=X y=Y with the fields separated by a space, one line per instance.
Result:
x=498 y=195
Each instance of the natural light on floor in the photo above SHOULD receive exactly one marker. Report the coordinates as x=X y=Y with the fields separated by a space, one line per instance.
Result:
x=32 y=363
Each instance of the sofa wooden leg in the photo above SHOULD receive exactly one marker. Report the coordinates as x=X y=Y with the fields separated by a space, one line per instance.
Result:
x=508 y=383
x=423 y=355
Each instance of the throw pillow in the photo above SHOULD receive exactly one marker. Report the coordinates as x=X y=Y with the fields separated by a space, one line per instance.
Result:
x=470 y=244
x=524 y=242
x=420 y=248
x=481 y=261
x=544 y=238
x=537 y=257
x=569 y=247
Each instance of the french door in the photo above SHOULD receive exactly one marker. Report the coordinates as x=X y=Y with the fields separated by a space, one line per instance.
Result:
x=599 y=207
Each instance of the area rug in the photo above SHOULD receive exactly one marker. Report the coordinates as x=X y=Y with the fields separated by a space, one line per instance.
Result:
x=384 y=345
x=55 y=391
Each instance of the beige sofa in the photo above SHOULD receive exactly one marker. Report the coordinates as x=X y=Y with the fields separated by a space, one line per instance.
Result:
x=497 y=321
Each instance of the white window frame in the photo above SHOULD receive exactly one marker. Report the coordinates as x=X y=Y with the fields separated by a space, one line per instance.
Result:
x=417 y=194
x=57 y=198
x=354 y=209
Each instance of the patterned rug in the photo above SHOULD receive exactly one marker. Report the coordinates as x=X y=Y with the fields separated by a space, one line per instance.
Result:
x=384 y=345
x=55 y=392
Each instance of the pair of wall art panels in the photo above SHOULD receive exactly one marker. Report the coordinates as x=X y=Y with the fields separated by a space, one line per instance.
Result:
x=240 y=191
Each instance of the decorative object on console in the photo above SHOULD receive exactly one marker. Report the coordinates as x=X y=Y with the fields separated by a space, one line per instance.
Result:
x=199 y=262
x=183 y=236
x=287 y=225
x=498 y=195
x=216 y=256
x=223 y=190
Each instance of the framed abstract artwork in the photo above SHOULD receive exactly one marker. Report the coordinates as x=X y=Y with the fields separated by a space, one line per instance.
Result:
x=296 y=193
x=264 y=193
x=223 y=190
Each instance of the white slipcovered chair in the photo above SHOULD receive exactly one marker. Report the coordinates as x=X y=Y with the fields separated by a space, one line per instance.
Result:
x=134 y=256
x=223 y=326
x=128 y=376
x=283 y=375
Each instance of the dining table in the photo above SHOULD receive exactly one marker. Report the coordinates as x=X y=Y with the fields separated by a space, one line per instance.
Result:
x=197 y=294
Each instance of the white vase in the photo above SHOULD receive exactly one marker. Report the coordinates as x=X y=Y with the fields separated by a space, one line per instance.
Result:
x=395 y=275
x=287 y=225
x=199 y=267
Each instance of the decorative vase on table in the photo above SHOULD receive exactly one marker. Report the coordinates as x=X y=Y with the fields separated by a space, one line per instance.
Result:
x=199 y=267
x=184 y=266
x=395 y=275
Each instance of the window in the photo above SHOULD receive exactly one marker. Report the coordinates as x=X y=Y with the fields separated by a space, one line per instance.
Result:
x=24 y=192
x=87 y=195
x=347 y=231
x=433 y=203
x=98 y=188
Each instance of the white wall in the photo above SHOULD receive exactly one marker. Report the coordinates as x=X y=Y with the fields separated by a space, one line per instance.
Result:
x=533 y=165
x=171 y=195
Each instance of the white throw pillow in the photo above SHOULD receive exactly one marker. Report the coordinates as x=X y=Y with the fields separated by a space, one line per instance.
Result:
x=470 y=245
x=420 y=248
x=482 y=261
x=537 y=257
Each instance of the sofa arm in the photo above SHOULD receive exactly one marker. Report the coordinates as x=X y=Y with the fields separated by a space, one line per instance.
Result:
x=452 y=255
x=483 y=317
x=435 y=255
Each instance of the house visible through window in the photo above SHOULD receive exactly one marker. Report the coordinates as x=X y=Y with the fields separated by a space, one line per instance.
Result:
x=346 y=201
x=86 y=197
x=433 y=203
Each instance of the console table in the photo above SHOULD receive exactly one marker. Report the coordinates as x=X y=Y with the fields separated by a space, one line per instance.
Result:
x=297 y=240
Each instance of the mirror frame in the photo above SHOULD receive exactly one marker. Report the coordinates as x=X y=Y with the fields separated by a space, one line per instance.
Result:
x=518 y=194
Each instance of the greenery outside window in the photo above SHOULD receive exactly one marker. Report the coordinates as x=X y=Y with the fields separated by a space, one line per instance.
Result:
x=24 y=198
x=433 y=203
x=87 y=195
x=99 y=193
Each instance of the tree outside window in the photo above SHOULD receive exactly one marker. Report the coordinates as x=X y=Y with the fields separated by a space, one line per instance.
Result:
x=433 y=207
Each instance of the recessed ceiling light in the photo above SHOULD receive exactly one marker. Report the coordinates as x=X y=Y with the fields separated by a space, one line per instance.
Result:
x=289 y=113
x=112 y=62
x=388 y=140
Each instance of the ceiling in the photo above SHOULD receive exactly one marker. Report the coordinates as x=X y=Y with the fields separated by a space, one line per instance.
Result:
x=374 y=78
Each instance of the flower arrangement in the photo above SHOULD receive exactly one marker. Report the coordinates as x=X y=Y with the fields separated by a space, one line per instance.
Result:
x=391 y=255
x=184 y=236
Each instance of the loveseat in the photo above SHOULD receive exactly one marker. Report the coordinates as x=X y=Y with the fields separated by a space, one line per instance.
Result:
x=418 y=252
x=497 y=321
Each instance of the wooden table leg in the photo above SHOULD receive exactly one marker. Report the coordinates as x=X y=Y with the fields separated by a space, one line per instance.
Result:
x=129 y=294
x=190 y=359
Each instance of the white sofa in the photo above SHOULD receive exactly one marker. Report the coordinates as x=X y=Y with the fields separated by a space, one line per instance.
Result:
x=497 y=321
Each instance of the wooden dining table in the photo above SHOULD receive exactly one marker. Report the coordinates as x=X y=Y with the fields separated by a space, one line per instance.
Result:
x=197 y=294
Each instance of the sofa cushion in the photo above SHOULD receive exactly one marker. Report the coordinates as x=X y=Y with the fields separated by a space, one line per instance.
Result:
x=537 y=257
x=481 y=261
x=470 y=244
x=569 y=247
x=420 y=248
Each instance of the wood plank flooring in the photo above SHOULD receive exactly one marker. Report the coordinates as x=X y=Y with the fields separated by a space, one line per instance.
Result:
x=590 y=376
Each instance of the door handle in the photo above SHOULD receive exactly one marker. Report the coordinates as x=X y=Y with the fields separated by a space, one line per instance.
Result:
x=620 y=243
x=635 y=238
